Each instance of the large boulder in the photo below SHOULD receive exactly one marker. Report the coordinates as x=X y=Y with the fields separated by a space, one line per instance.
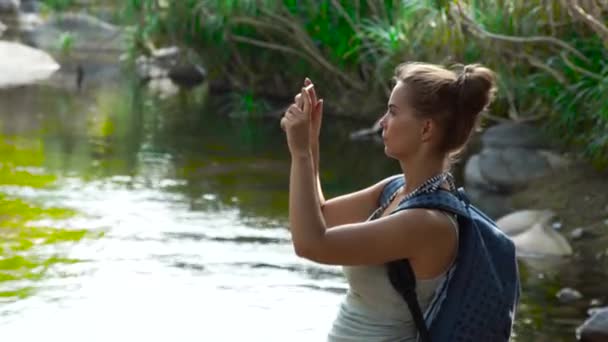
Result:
x=22 y=64
x=513 y=134
x=29 y=6
x=9 y=6
x=474 y=177
x=512 y=167
x=89 y=34
x=533 y=234
x=595 y=328
x=493 y=204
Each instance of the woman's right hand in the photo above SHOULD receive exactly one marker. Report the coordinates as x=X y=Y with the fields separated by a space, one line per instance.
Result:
x=316 y=114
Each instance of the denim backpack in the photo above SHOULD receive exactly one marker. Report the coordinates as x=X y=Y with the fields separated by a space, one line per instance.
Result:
x=477 y=301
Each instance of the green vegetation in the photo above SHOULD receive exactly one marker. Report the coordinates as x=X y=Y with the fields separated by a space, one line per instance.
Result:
x=550 y=56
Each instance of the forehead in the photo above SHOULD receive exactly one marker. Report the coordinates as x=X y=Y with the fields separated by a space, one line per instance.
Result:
x=398 y=95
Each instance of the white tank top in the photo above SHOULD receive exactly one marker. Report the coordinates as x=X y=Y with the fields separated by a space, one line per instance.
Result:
x=373 y=311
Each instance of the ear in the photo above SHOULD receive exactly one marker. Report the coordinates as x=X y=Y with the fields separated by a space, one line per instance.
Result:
x=427 y=130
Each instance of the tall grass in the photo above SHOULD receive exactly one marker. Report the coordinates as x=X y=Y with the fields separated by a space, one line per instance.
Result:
x=549 y=56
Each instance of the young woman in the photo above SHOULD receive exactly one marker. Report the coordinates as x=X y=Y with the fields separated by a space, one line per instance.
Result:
x=431 y=114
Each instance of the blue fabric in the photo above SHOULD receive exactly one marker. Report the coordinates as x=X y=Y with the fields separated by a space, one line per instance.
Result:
x=482 y=290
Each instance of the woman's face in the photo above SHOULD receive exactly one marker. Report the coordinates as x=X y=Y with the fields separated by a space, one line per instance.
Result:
x=401 y=129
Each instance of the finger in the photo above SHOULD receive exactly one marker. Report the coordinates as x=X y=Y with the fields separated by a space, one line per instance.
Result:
x=307 y=104
x=307 y=81
x=294 y=109
x=320 y=107
x=290 y=115
x=283 y=123
x=298 y=100
x=310 y=87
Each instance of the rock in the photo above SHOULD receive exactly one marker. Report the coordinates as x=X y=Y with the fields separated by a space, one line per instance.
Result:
x=595 y=328
x=146 y=69
x=187 y=75
x=520 y=221
x=494 y=204
x=568 y=295
x=368 y=133
x=555 y=160
x=89 y=34
x=577 y=233
x=166 y=57
x=532 y=233
x=22 y=64
x=595 y=302
x=163 y=87
x=9 y=6
x=512 y=134
x=512 y=168
x=473 y=176
x=28 y=22
x=29 y=6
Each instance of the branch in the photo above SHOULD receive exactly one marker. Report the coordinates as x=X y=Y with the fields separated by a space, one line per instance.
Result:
x=268 y=45
x=539 y=64
x=575 y=67
x=590 y=20
x=309 y=47
x=521 y=40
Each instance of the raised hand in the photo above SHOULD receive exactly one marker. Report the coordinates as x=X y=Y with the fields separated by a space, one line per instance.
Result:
x=296 y=123
x=316 y=115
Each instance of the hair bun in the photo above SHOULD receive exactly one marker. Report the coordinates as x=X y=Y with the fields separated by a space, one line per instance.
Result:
x=476 y=87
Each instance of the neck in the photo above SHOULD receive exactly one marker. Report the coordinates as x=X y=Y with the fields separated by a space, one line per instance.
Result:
x=418 y=170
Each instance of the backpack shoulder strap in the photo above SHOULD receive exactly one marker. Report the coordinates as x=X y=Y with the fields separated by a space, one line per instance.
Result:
x=440 y=199
x=403 y=279
x=400 y=272
x=389 y=189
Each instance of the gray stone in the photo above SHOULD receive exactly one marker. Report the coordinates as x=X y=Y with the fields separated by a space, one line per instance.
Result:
x=9 y=6
x=555 y=160
x=90 y=34
x=22 y=64
x=512 y=134
x=595 y=328
x=512 y=168
x=473 y=176
x=532 y=234
x=494 y=204
x=368 y=133
x=29 y=6
x=577 y=233
x=595 y=302
x=568 y=295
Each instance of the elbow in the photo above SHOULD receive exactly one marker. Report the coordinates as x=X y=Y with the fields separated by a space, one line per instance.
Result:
x=302 y=250
x=306 y=251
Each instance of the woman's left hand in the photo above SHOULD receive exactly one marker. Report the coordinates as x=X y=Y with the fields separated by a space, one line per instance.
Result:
x=296 y=123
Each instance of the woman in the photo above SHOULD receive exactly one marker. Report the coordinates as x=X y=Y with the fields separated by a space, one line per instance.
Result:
x=431 y=114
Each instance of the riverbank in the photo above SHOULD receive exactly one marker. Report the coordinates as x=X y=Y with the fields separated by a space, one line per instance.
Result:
x=578 y=194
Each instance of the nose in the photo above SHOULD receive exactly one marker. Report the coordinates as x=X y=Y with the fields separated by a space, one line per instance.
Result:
x=382 y=120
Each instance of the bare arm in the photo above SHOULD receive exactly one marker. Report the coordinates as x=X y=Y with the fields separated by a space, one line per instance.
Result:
x=406 y=234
